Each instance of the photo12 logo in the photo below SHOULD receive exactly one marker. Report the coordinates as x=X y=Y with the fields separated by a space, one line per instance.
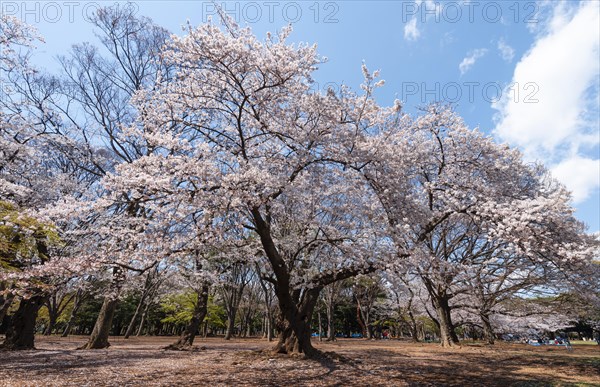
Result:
x=33 y=12
x=326 y=12
x=470 y=11
x=454 y=92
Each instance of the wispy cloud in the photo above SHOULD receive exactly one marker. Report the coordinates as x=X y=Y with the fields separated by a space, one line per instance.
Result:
x=506 y=52
x=411 y=31
x=470 y=60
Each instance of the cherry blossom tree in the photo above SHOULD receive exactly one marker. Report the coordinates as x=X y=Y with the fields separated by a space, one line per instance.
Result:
x=94 y=103
x=208 y=154
x=455 y=200
x=238 y=136
x=26 y=183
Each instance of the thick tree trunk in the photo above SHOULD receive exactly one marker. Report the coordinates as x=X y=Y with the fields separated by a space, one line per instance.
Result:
x=295 y=339
x=296 y=314
x=448 y=337
x=5 y=304
x=21 y=331
x=488 y=331
x=99 y=337
x=295 y=336
x=230 y=323
x=186 y=340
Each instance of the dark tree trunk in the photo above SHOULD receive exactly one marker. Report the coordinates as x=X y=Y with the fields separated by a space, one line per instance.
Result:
x=295 y=313
x=21 y=331
x=488 y=331
x=69 y=326
x=295 y=332
x=448 y=337
x=99 y=337
x=441 y=302
x=295 y=336
x=186 y=340
x=5 y=303
x=231 y=312
x=52 y=317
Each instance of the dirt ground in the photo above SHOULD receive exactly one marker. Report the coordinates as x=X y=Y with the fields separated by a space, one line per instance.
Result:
x=357 y=362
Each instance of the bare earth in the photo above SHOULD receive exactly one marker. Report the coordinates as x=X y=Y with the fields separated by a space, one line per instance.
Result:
x=356 y=362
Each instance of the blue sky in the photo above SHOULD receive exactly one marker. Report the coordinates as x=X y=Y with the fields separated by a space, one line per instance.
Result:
x=468 y=53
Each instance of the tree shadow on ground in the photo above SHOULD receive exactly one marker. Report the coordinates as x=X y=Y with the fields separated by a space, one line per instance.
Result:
x=56 y=360
x=253 y=364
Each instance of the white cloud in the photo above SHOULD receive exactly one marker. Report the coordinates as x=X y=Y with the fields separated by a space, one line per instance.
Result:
x=555 y=14
x=422 y=11
x=411 y=31
x=579 y=174
x=506 y=52
x=470 y=60
x=561 y=69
